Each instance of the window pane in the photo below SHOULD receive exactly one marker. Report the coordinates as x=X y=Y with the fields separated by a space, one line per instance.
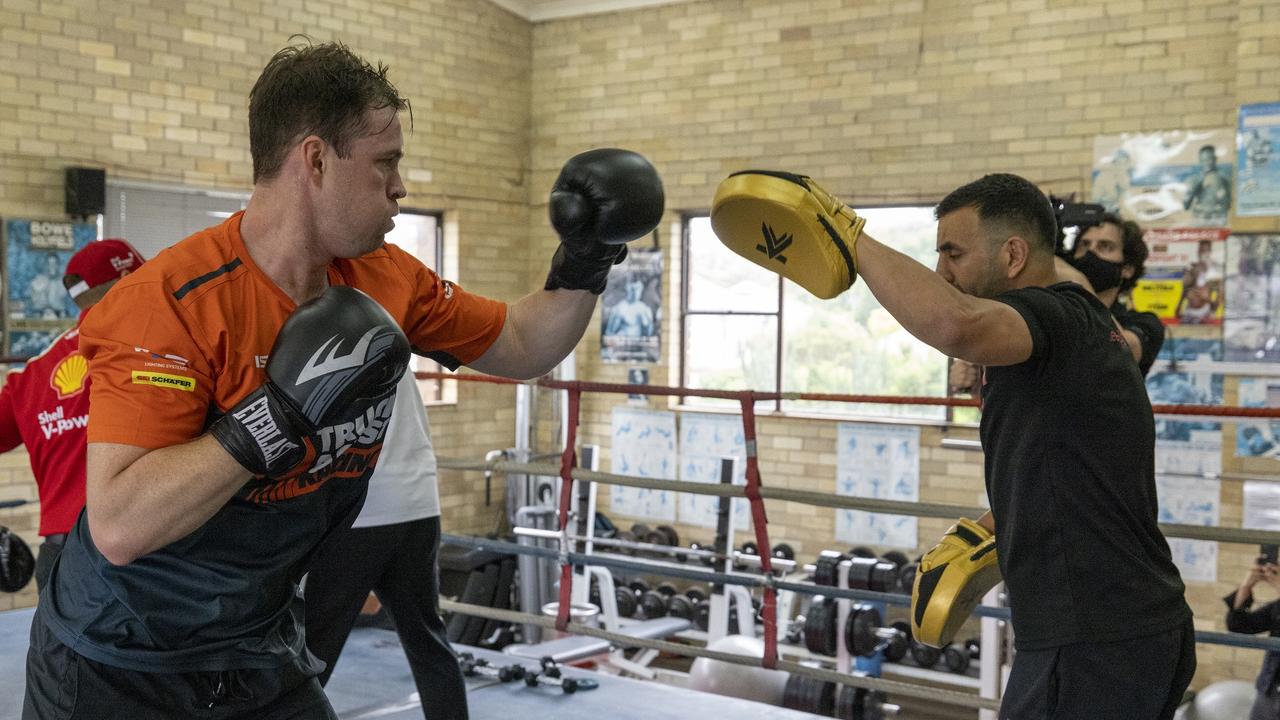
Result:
x=416 y=234
x=152 y=219
x=852 y=345
x=723 y=352
x=721 y=281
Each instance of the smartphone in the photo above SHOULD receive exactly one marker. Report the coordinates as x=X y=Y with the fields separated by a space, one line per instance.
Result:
x=1268 y=553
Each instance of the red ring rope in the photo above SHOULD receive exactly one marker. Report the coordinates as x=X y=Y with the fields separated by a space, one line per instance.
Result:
x=1204 y=410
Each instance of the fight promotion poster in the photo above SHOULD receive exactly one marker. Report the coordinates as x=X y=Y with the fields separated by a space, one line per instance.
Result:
x=1173 y=178
x=1258 y=437
x=39 y=308
x=1183 y=283
x=1257 y=140
x=631 y=317
x=1251 y=326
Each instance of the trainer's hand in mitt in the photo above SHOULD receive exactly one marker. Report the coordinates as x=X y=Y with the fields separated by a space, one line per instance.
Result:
x=790 y=225
x=951 y=581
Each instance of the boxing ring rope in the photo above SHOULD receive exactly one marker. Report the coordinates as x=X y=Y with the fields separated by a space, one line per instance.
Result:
x=1241 y=536
x=1235 y=411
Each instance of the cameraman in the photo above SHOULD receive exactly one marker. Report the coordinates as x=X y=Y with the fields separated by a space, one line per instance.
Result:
x=1242 y=618
x=1111 y=254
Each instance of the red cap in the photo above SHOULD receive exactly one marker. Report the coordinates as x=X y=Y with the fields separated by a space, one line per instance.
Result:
x=100 y=262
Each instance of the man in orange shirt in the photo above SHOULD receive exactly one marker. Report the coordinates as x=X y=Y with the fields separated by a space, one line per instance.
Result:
x=212 y=479
x=45 y=405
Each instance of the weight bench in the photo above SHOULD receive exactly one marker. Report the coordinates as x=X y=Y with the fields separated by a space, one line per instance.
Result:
x=573 y=648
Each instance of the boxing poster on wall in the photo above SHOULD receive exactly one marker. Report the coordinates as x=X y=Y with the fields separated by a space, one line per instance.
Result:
x=877 y=462
x=644 y=444
x=1173 y=178
x=705 y=440
x=1183 y=283
x=631 y=309
x=1257 y=140
x=1191 y=501
x=1258 y=438
x=1187 y=447
x=1251 y=324
x=38 y=306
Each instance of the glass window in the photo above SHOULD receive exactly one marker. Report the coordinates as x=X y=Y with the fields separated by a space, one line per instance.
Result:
x=419 y=233
x=745 y=328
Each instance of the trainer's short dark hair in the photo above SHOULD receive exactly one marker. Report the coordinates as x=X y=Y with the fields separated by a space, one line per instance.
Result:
x=1008 y=200
x=313 y=89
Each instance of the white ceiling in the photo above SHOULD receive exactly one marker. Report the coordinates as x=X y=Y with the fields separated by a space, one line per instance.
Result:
x=539 y=10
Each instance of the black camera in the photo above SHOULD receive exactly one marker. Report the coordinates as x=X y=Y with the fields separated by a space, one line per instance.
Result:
x=1071 y=214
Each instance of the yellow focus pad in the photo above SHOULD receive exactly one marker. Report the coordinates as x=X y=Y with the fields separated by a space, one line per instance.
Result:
x=788 y=224
x=951 y=581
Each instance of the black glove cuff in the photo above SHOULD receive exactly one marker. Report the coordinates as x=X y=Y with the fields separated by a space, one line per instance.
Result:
x=586 y=268
x=259 y=435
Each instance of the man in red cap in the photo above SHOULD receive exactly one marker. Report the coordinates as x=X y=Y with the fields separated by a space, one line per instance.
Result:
x=45 y=404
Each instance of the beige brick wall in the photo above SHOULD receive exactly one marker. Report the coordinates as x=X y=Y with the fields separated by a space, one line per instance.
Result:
x=888 y=101
x=884 y=100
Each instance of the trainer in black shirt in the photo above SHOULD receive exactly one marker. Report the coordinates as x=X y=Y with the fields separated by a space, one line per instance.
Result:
x=1102 y=629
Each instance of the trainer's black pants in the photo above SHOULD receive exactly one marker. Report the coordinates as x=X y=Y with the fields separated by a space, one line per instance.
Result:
x=398 y=563
x=1137 y=679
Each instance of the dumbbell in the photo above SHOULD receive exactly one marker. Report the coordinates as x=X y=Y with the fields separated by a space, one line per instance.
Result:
x=651 y=603
x=863 y=634
x=900 y=644
x=551 y=675
x=924 y=655
x=783 y=551
x=855 y=703
x=820 y=626
x=957 y=657
x=677 y=605
x=809 y=695
x=872 y=574
x=472 y=667
x=707 y=560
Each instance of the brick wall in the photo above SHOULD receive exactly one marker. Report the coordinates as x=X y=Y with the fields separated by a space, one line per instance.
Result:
x=895 y=102
x=884 y=100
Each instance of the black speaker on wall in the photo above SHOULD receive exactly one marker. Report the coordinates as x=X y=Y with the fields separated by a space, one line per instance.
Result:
x=86 y=191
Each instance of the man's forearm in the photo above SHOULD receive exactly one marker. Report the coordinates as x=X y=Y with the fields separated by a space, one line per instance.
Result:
x=925 y=304
x=156 y=497
x=541 y=329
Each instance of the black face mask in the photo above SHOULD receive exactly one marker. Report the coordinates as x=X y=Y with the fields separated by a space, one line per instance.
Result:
x=1102 y=274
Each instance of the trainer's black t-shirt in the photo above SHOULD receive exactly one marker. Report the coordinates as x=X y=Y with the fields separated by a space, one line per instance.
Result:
x=1070 y=441
x=1147 y=327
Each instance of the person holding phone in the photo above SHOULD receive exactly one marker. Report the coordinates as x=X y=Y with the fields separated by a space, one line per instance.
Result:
x=1243 y=618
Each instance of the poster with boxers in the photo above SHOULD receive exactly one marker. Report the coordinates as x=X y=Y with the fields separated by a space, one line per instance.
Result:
x=1258 y=140
x=1172 y=178
x=38 y=307
x=1183 y=283
x=631 y=309
x=1251 y=325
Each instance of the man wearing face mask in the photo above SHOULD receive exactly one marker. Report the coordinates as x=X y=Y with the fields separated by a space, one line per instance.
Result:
x=1111 y=256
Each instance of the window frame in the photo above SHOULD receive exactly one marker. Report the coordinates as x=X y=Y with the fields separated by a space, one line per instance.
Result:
x=686 y=238
x=686 y=266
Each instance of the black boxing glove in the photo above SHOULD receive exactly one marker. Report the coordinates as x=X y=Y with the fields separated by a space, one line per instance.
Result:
x=602 y=200
x=333 y=359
